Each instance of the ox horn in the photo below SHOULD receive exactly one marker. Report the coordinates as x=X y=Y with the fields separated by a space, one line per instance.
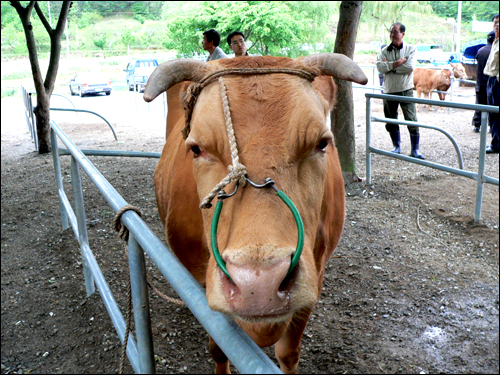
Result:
x=172 y=72
x=338 y=66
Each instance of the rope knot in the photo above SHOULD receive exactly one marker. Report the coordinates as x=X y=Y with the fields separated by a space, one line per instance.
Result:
x=122 y=230
x=237 y=174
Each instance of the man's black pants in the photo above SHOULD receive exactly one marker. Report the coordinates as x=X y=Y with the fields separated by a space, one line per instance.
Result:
x=409 y=111
x=492 y=89
x=481 y=98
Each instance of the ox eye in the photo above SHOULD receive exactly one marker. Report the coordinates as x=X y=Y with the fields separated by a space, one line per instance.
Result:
x=196 y=151
x=323 y=144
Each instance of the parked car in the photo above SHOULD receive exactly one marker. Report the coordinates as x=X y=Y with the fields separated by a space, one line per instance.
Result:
x=87 y=83
x=138 y=72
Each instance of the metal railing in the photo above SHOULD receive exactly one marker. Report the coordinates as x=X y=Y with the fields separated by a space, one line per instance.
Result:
x=31 y=120
x=449 y=92
x=245 y=355
x=86 y=111
x=480 y=176
x=30 y=117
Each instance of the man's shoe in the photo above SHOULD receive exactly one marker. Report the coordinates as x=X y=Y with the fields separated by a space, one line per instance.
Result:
x=490 y=150
x=476 y=129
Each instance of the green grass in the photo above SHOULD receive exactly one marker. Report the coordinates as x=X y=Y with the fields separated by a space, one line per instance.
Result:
x=11 y=92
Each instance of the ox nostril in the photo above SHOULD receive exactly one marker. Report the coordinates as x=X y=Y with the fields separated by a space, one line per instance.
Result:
x=227 y=280
x=289 y=280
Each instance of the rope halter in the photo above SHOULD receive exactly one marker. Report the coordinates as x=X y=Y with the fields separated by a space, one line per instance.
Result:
x=237 y=171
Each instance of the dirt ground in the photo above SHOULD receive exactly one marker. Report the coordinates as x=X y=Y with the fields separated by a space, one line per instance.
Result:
x=396 y=298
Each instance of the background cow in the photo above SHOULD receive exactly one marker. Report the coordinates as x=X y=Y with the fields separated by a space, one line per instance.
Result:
x=282 y=127
x=427 y=80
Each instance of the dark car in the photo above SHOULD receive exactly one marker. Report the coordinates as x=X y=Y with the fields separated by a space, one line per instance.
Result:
x=90 y=83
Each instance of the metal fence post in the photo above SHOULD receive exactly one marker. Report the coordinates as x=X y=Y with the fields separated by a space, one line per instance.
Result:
x=452 y=79
x=368 y=141
x=82 y=223
x=480 y=171
x=144 y=336
x=59 y=181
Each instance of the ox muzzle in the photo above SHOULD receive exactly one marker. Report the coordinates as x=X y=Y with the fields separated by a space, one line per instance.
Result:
x=218 y=208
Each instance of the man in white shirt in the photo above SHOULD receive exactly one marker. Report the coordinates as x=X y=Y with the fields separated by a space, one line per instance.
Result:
x=211 y=40
x=397 y=62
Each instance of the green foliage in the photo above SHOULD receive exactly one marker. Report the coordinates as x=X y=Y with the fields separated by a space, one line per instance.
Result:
x=147 y=36
x=10 y=92
x=10 y=17
x=385 y=13
x=100 y=41
x=289 y=28
x=88 y=19
x=478 y=10
x=139 y=9
x=127 y=38
x=276 y=28
x=12 y=41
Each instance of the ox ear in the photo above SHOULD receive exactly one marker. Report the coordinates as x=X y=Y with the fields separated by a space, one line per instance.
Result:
x=336 y=65
x=325 y=86
x=172 y=72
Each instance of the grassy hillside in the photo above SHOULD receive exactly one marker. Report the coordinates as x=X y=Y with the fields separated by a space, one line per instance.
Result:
x=423 y=29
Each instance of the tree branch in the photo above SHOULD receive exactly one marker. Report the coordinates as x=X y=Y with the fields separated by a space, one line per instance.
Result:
x=254 y=44
x=22 y=10
x=25 y=15
x=63 y=18
x=55 y=47
x=43 y=19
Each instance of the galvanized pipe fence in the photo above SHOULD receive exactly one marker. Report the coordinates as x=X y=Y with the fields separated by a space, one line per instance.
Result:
x=31 y=120
x=246 y=356
x=242 y=351
x=375 y=87
x=29 y=115
x=480 y=177
x=86 y=111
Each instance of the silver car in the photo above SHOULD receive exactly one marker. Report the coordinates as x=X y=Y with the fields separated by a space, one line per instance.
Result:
x=90 y=83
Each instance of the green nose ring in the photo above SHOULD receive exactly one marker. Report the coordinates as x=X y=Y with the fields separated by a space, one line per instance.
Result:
x=284 y=198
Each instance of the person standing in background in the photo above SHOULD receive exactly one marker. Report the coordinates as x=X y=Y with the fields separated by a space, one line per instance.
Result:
x=380 y=75
x=397 y=62
x=481 y=80
x=492 y=87
x=210 y=43
x=236 y=42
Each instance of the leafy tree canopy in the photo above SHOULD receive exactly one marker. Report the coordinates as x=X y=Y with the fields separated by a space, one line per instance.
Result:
x=284 y=28
x=385 y=13
x=478 y=10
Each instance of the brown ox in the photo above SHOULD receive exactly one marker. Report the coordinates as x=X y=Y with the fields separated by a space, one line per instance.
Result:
x=428 y=80
x=458 y=72
x=282 y=128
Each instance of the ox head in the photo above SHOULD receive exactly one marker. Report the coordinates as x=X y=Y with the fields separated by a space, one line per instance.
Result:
x=459 y=70
x=282 y=128
x=444 y=78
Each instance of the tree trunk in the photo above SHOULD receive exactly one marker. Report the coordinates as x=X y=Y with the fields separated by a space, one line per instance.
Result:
x=42 y=117
x=343 y=113
x=43 y=87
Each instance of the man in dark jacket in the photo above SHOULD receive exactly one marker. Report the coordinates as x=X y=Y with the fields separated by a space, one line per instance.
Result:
x=481 y=57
